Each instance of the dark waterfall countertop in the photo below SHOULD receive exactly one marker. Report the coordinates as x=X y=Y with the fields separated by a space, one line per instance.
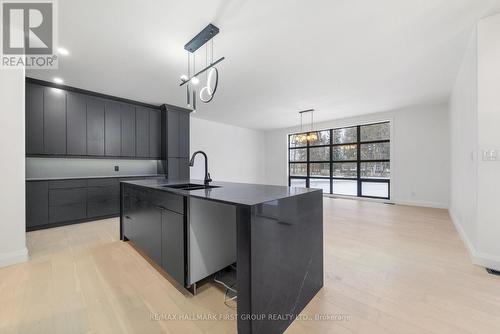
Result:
x=228 y=192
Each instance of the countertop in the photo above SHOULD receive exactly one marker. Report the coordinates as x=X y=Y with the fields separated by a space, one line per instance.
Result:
x=228 y=192
x=90 y=177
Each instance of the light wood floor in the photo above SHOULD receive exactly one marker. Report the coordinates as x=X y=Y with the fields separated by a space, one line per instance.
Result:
x=388 y=269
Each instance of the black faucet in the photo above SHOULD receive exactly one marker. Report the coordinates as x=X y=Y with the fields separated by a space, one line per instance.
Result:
x=207 y=174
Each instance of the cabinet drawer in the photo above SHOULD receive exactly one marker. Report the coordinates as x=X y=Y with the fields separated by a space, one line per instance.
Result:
x=103 y=208
x=168 y=201
x=67 y=196
x=63 y=213
x=96 y=194
x=103 y=182
x=64 y=184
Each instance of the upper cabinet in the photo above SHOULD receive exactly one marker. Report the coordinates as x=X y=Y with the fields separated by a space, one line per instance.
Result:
x=128 y=131
x=54 y=121
x=112 y=129
x=142 y=132
x=73 y=122
x=177 y=133
x=34 y=119
x=95 y=127
x=76 y=127
x=154 y=134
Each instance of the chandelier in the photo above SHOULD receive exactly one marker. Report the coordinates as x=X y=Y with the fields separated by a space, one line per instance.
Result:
x=211 y=78
x=310 y=136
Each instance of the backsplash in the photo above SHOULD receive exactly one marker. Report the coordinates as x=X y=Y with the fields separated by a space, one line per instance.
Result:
x=74 y=167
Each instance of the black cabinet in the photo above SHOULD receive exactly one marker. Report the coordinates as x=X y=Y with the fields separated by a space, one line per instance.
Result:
x=95 y=127
x=54 y=121
x=173 y=133
x=155 y=222
x=176 y=141
x=178 y=133
x=67 y=204
x=103 y=198
x=154 y=134
x=128 y=131
x=172 y=245
x=76 y=113
x=146 y=220
x=178 y=168
x=37 y=203
x=34 y=119
x=142 y=132
x=112 y=129
x=72 y=122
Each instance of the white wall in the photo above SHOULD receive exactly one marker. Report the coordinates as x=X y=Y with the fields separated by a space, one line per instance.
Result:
x=419 y=151
x=12 y=192
x=463 y=138
x=475 y=115
x=234 y=154
x=488 y=172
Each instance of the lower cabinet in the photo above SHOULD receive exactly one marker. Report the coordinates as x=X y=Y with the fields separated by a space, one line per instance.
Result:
x=157 y=231
x=59 y=202
x=172 y=247
x=67 y=204
x=37 y=203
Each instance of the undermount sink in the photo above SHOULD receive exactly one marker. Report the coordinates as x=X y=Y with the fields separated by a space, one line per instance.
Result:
x=190 y=186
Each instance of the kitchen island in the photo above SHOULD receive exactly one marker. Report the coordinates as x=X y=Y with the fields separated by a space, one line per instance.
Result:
x=273 y=235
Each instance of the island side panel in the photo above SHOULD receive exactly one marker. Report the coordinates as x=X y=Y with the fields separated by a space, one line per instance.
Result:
x=286 y=261
x=243 y=274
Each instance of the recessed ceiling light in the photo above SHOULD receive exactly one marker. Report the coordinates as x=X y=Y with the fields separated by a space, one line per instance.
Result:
x=58 y=80
x=63 y=51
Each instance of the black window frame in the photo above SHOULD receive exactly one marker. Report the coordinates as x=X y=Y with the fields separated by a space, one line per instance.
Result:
x=360 y=180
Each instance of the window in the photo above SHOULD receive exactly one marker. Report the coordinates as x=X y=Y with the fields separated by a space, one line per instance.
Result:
x=352 y=161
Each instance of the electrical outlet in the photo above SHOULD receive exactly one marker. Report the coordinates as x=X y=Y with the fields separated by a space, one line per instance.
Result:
x=117 y=168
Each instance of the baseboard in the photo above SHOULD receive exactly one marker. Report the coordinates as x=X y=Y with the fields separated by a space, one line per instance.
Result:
x=7 y=259
x=478 y=258
x=392 y=201
x=422 y=204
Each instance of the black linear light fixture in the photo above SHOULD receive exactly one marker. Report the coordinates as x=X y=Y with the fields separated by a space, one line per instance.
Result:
x=192 y=79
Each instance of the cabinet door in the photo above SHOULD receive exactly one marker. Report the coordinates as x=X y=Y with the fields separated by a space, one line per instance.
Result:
x=54 y=121
x=67 y=204
x=154 y=134
x=112 y=129
x=184 y=134
x=103 y=199
x=147 y=231
x=37 y=203
x=173 y=133
x=142 y=132
x=172 y=241
x=128 y=130
x=95 y=127
x=34 y=119
x=77 y=124
x=178 y=168
x=130 y=210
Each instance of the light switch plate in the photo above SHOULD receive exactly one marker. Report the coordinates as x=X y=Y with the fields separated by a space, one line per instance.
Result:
x=489 y=155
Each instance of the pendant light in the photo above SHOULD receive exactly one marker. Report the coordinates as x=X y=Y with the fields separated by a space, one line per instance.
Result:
x=311 y=136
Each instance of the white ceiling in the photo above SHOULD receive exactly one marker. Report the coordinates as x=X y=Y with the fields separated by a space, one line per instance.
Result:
x=341 y=57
